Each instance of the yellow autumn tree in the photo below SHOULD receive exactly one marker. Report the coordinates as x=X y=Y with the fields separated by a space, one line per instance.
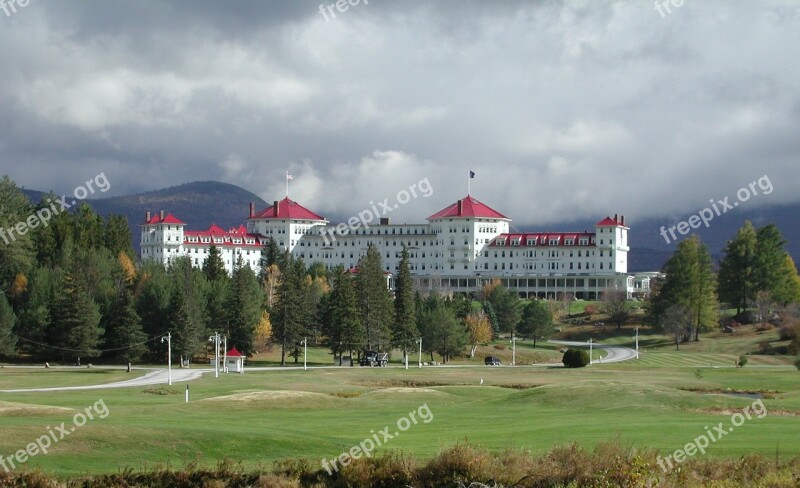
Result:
x=127 y=266
x=489 y=287
x=263 y=331
x=479 y=329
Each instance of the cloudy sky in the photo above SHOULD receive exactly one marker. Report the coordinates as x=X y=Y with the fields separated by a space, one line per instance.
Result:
x=565 y=110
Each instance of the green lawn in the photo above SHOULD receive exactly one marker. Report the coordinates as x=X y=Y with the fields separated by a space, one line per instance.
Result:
x=259 y=417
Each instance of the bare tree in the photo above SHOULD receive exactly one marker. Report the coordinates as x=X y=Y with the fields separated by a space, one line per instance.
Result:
x=764 y=304
x=677 y=321
x=616 y=305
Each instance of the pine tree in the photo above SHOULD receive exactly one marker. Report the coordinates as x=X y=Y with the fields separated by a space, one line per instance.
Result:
x=117 y=236
x=737 y=269
x=124 y=333
x=689 y=282
x=243 y=307
x=75 y=319
x=536 y=321
x=185 y=332
x=506 y=306
x=769 y=260
x=374 y=299
x=292 y=311
x=488 y=309
x=153 y=297
x=404 y=332
x=343 y=328
x=8 y=340
x=213 y=266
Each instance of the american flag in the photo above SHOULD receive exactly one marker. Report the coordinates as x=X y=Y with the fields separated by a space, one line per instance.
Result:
x=289 y=176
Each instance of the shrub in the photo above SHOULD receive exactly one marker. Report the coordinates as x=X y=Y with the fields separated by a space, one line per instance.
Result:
x=797 y=363
x=575 y=358
x=500 y=347
x=788 y=332
x=742 y=361
x=764 y=327
x=591 y=309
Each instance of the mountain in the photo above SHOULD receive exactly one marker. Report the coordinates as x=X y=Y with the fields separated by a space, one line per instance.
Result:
x=199 y=204
x=203 y=203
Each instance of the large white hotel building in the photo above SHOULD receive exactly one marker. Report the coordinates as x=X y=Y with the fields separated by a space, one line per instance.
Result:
x=459 y=249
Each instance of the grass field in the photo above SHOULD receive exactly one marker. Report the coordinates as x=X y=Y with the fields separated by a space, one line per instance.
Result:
x=260 y=417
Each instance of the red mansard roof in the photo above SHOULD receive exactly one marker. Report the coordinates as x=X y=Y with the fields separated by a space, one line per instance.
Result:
x=543 y=239
x=609 y=222
x=287 y=209
x=216 y=232
x=468 y=207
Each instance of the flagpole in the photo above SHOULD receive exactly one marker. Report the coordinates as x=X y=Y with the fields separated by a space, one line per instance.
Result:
x=287 y=184
x=469 y=182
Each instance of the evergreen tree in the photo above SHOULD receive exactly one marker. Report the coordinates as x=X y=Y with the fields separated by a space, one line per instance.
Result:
x=689 y=282
x=442 y=332
x=536 y=321
x=374 y=299
x=343 y=328
x=506 y=306
x=117 y=236
x=243 y=307
x=737 y=269
x=16 y=251
x=213 y=266
x=292 y=311
x=124 y=336
x=74 y=320
x=488 y=309
x=789 y=290
x=404 y=332
x=7 y=320
x=185 y=332
x=88 y=228
x=153 y=296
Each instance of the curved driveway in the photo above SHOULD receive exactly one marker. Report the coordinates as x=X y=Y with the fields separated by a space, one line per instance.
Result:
x=615 y=353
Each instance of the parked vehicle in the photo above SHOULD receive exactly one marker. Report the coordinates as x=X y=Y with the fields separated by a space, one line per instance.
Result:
x=374 y=358
x=491 y=361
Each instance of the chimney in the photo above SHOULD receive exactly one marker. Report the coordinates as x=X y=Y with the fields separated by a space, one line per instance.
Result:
x=460 y=207
x=384 y=221
x=147 y=217
x=252 y=209
x=621 y=220
x=161 y=214
x=615 y=218
x=275 y=209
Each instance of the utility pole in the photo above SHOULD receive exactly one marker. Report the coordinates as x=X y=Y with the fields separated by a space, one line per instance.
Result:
x=513 y=350
x=420 y=351
x=169 y=356
x=590 y=351
x=305 y=354
x=215 y=340
x=637 y=343
x=225 y=355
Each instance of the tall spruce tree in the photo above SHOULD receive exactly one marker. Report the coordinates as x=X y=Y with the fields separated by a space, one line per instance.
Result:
x=8 y=340
x=185 y=331
x=343 y=328
x=243 y=307
x=375 y=301
x=75 y=320
x=117 y=236
x=292 y=311
x=124 y=336
x=737 y=280
x=213 y=266
x=404 y=332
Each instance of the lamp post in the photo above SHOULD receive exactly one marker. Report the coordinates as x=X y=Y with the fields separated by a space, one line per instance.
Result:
x=590 y=351
x=305 y=354
x=225 y=354
x=513 y=350
x=420 y=352
x=215 y=340
x=637 y=343
x=169 y=356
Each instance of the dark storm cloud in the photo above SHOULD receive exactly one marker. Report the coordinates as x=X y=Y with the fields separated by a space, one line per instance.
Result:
x=564 y=109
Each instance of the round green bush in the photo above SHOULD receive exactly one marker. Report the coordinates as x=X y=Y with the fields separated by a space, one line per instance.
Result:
x=742 y=361
x=797 y=363
x=575 y=358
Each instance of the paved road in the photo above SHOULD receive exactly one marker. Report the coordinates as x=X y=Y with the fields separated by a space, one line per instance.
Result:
x=154 y=377
x=615 y=354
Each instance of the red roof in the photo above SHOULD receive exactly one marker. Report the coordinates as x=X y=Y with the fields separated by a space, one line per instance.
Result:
x=468 y=207
x=234 y=353
x=287 y=209
x=543 y=239
x=236 y=237
x=609 y=222
x=169 y=219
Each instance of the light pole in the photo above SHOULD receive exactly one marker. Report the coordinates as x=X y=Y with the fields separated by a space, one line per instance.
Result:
x=169 y=356
x=637 y=343
x=420 y=352
x=305 y=354
x=215 y=340
x=590 y=350
x=225 y=354
x=513 y=350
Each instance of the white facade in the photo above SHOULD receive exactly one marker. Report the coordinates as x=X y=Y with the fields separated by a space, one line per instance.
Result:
x=459 y=249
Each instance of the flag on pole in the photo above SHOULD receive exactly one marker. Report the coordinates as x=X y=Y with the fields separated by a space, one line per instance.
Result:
x=289 y=176
x=472 y=174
